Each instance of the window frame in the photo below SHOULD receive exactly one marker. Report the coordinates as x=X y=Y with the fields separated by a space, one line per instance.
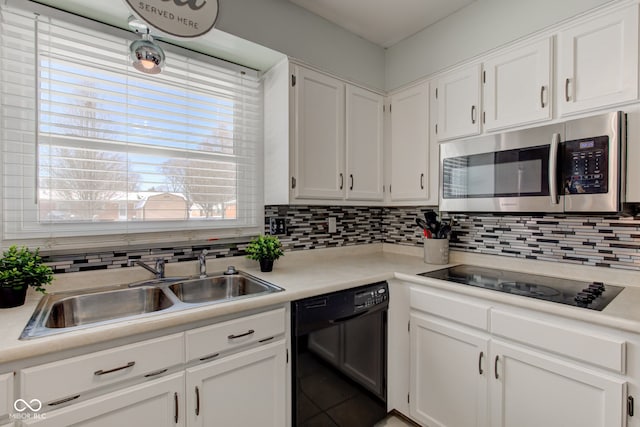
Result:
x=88 y=235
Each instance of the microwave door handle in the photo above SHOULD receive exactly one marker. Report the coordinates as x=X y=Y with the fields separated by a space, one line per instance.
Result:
x=553 y=168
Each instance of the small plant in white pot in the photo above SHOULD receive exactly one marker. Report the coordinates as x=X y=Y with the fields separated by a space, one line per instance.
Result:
x=19 y=269
x=265 y=249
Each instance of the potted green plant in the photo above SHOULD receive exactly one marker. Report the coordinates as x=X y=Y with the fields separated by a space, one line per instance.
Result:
x=19 y=269
x=265 y=249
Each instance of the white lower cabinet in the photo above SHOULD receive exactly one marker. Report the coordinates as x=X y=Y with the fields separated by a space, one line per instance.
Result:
x=532 y=389
x=156 y=403
x=239 y=380
x=448 y=379
x=6 y=398
x=242 y=390
x=463 y=373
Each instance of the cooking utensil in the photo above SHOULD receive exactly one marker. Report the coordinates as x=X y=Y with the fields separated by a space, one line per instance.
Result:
x=422 y=224
x=444 y=232
x=432 y=221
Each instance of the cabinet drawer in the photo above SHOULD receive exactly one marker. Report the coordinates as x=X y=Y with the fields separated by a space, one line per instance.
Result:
x=207 y=342
x=6 y=393
x=73 y=376
x=450 y=307
x=600 y=350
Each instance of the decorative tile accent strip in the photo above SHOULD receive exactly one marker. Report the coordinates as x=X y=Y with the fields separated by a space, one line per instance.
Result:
x=307 y=226
x=608 y=241
x=120 y=258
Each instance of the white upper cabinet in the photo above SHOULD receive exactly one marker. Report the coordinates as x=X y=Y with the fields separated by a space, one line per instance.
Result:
x=459 y=95
x=364 y=144
x=319 y=135
x=410 y=144
x=598 y=62
x=323 y=139
x=517 y=86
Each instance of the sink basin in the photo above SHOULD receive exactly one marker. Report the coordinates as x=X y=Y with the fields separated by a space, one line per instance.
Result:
x=100 y=306
x=68 y=311
x=219 y=288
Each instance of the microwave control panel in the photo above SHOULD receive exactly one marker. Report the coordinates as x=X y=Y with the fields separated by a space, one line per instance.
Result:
x=586 y=165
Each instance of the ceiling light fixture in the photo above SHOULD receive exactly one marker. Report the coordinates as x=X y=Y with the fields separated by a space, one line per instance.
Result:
x=146 y=55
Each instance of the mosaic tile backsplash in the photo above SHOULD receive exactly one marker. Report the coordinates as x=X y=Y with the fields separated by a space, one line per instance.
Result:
x=607 y=241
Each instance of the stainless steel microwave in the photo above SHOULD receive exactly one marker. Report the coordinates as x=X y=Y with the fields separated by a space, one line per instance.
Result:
x=575 y=166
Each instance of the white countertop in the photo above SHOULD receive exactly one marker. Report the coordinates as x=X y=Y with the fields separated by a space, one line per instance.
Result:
x=307 y=273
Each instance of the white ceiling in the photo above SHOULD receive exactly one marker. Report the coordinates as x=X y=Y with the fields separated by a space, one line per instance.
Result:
x=383 y=22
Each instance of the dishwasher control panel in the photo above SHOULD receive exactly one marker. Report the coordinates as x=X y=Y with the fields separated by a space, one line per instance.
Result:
x=371 y=296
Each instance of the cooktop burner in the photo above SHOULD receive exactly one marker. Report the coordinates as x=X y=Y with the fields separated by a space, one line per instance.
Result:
x=595 y=295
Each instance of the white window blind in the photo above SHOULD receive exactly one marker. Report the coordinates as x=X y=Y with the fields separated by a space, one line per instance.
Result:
x=92 y=147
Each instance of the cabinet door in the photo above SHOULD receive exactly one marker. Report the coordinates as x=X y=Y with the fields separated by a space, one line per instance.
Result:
x=245 y=389
x=6 y=394
x=598 y=62
x=364 y=144
x=448 y=374
x=529 y=389
x=458 y=95
x=156 y=403
x=319 y=136
x=517 y=86
x=410 y=143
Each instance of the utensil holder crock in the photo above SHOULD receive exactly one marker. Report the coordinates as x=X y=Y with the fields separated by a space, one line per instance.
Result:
x=436 y=251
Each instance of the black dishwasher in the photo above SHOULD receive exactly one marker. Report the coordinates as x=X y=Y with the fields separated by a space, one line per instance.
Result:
x=339 y=343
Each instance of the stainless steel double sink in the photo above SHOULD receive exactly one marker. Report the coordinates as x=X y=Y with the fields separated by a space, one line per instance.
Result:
x=66 y=311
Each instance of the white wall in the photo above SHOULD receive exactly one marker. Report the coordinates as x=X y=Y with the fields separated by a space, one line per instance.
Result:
x=480 y=27
x=292 y=30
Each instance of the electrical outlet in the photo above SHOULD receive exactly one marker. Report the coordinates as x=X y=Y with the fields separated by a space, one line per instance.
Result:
x=332 y=225
x=277 y=226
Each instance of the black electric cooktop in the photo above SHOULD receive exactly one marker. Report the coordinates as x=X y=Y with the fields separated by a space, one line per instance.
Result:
x=591 y=295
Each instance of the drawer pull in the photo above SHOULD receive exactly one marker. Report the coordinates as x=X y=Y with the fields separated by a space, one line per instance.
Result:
x=211 y=356
x=153 y=374
x=197 y=401
x=60 y=402
x=495 y=367
x=480 y=362
x=249 y=332
x=266 y=339
x=109 y=371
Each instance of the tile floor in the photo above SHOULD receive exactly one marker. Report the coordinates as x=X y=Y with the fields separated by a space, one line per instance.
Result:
x=393 y=421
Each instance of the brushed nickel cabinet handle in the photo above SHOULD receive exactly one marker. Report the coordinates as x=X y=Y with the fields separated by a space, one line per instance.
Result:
x=495 y=367
x=175 y=402
x=209 y=357
x=60 y=402
x=156 y=373
x=109 y=371
x=480 y=371
x=233 y=337
x=566 y=90
x=197 y=401
x=542 y=89
x=351 y=178
x=422 y=181
x=341 y=181
x=473 y=114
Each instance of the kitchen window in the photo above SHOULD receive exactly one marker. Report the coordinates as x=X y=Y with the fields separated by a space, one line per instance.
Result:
x=92 y=147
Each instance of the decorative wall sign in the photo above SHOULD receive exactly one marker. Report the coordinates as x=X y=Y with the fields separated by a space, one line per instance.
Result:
x=180 y=18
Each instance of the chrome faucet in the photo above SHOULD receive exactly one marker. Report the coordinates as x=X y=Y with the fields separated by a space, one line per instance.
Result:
x=158 y=271
x=202 y=261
